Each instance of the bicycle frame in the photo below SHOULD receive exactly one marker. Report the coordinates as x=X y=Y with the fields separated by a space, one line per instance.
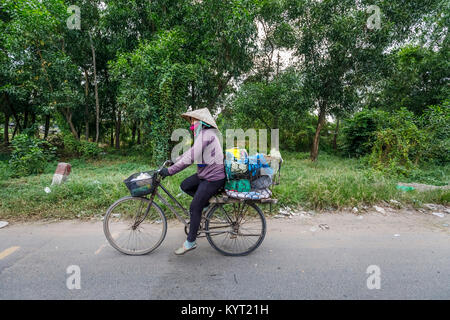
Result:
x=177 y=214
x=164 y=200
x=174 y=211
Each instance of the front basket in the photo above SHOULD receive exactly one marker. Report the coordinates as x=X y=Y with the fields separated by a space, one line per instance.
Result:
x=143 y=186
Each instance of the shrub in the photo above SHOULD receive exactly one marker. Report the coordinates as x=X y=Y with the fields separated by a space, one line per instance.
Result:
x=358 y=133
x=399 y=147
x=5 y=171
x=57 y=140
x=84 y=149
x=89 y=149
x=71 y=145
x=30 y=155
x=141 y=150
x=399 y=141
x=436 y=121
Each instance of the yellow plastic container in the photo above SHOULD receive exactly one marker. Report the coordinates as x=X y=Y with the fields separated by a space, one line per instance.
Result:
x=235 y=152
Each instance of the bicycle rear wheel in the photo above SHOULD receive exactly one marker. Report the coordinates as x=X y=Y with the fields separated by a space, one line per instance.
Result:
x=235 y=229
x=134 y=227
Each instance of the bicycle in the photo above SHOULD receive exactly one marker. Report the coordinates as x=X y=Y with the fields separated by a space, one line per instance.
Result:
x=227 y=223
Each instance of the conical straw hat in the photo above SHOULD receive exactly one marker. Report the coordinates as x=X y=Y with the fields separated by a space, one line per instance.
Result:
x=202 y=115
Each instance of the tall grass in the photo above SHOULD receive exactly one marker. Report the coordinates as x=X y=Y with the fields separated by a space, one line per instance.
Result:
x=334 y=182
x=331 y=182
x=91 y=188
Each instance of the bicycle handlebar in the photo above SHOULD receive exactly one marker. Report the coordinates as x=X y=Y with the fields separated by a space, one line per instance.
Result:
x=166 y=163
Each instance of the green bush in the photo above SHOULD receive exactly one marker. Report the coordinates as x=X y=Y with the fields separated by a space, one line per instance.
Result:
x=57 y=140
x=436 y=121
x=71 y=145
x=89 y=149
x=5 y=171
x=398 y=148
x=30 y=155
x=80 y=148
x=399 y=141
x=358 y=133
x=408 y=141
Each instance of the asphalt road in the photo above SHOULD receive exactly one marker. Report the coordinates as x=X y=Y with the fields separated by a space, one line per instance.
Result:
x=297 y=260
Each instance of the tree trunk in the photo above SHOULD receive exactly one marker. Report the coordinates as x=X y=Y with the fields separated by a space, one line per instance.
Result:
x=97 y=107
x=15 y=131
x=278 y=64
x=33 y=121
x=336 y=132
x=118 y=124
x=16 y=118
x=25 y=119
x=112 y=137
x=192 y=96
x=6 y=130
x=86 y=107
x=133 y=133
x=68 y=115
x=47 y=126
x=138 y=132
x=315 y=145
x=221 y=86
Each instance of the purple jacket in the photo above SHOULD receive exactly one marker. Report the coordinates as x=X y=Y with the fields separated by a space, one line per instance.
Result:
x=207 y=149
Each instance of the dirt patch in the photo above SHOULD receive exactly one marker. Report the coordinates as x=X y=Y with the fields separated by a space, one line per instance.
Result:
x=392 y=222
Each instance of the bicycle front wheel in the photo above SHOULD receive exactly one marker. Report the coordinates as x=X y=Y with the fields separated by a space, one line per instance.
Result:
x=135 y=227
x=235 y=229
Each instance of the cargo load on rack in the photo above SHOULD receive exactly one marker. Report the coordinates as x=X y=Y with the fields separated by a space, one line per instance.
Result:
x=251 y=177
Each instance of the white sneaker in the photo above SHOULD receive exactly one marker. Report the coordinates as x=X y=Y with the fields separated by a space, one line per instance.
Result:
x=183 y=249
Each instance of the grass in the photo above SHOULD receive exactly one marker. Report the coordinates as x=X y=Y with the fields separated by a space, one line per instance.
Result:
x=331 y=182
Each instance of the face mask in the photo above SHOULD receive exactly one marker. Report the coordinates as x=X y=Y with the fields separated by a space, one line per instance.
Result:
x=194 y=126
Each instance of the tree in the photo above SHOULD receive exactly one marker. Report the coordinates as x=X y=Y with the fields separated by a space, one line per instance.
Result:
x=338 y=55
x=42 y=76
x=418 y=78
x=276 y=104
x=187 y=60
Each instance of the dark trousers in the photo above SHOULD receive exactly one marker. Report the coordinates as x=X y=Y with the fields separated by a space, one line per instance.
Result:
x=201 y=191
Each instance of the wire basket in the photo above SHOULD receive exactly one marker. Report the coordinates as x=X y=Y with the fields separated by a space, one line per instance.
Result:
x=141 y=183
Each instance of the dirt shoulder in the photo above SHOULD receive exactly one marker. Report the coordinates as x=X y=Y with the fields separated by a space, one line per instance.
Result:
x=385 y=217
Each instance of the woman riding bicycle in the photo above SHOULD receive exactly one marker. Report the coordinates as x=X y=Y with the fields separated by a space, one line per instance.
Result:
x=210 y=177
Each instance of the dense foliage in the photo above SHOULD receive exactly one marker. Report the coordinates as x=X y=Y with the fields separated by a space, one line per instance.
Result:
x=398 y=141
x=30 y=155
x=358 y=132
x=305 y=67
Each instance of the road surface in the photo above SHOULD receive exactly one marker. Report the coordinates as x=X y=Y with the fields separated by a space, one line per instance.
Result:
x=297 y=260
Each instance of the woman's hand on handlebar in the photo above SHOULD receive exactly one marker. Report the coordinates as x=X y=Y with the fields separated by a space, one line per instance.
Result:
x=164 y=172
x=165 y=164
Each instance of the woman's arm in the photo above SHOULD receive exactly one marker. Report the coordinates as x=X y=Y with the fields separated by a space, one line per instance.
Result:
x=194 y=153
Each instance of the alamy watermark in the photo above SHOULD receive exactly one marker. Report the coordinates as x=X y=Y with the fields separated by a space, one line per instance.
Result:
x=374 y=21
x=206 y=150
x=374 y=280
x=74 y=280
x=74 y=21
